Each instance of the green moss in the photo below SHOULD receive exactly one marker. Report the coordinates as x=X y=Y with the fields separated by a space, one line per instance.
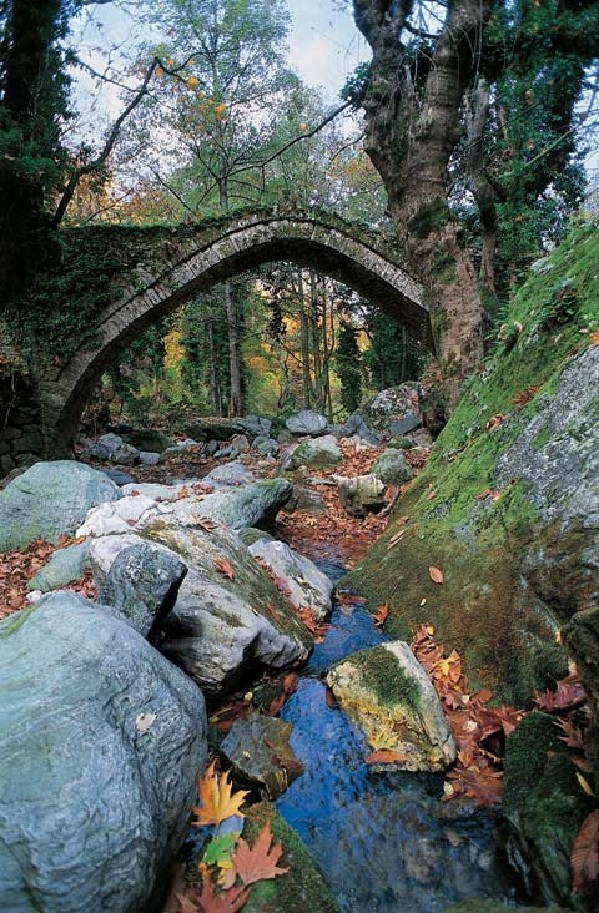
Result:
x=381 y=672
x=431 y=216
x=303 y=889
x=526 y=756
x=15 y=621
x=543 y=437
x=544 y=801
x=481 y=609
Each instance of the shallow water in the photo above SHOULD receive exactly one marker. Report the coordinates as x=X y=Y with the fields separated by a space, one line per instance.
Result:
x=386 y=843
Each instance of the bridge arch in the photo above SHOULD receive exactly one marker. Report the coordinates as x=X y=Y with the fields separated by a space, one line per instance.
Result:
x=184 y=261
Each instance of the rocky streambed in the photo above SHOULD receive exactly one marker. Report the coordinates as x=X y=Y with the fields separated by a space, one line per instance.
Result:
x=193 y=598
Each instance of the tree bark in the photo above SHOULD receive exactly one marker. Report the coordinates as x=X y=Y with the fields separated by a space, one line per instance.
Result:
x=235 y=402
x=412 y=107
x=477 y=109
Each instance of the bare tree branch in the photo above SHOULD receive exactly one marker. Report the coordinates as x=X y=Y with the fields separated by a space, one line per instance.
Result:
x=101 y=159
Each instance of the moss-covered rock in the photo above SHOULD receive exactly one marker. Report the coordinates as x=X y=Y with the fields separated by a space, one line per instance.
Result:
x=545 y=805
x=388 y=695
x=507 y=513
x=303 y=889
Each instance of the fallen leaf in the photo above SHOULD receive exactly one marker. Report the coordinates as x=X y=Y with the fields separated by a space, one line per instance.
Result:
x=217 y=799
x=207 y=524
x=584 y=785
x=436 y=574
x=386 y=756
x=585 y=854
x=395 y=539
x=260 y=861
x=223 y=567
x=488 y=493
x=432 y=494
x=209 y=901
x=380 y=616
x=219 y=853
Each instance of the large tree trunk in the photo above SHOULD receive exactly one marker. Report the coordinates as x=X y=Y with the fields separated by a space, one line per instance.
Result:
x=413 y=123
x=234 y=356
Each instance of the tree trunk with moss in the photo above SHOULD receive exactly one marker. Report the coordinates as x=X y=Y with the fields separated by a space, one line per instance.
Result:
x=412 y=103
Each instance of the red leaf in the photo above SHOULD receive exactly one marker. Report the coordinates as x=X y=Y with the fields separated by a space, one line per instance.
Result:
x=260 y=861
x=436 y=574
x=224 y=568
x=380 y=616
x=386 y=756
x=585 y=854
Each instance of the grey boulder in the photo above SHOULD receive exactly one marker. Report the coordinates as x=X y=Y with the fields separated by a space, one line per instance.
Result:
x=142 y=583
x=320 y=452
x=392 y=468
x=307 y=422
x=50 y=500
x=307 y=586
x=65 y=565
x=238 y=507
x=228 y=611
x=101 y=741
x=361 y=495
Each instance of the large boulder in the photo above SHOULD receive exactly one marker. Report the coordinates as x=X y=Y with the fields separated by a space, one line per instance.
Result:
x=256 y=425
x=259 y=750
x=101 y=741
x=396 y=409
x=238 y=507
x=103 y=551
x=320 y=452
x=306 y=585
x=388 y=695
x=545 y=805
x=65 y=566
x=307 y=422
x=142 y=583
x=228 y=611
x=392 y=468
x=116 y=516
x=50 y=500
x=361 y=494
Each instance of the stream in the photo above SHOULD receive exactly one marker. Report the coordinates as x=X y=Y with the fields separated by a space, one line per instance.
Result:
x=385 y=842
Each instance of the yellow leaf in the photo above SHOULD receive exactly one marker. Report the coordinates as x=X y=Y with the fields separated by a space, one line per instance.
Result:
x=218 y=801
x=584 y=784
x=192 y=82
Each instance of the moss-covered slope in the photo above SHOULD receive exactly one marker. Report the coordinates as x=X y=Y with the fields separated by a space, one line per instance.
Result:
x=479 y=509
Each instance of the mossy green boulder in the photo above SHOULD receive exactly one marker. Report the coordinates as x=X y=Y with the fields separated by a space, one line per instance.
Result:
x=545 y=805
x=508 y=503
x=303 y=889
x=387 y=694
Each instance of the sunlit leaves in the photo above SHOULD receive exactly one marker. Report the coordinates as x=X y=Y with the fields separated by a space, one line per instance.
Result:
x=217 y=799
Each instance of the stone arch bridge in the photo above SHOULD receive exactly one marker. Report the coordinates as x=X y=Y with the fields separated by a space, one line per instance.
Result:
x=152 y=271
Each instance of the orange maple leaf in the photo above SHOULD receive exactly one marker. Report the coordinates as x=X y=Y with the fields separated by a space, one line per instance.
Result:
x=223 y=567
x=595 y=338
x=380 y=616
x=209 y=901
x=218 y=801
x=260 y=861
